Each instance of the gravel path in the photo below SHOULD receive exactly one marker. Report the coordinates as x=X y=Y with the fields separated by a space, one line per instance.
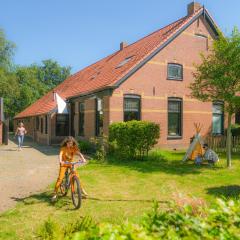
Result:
x=26 y=172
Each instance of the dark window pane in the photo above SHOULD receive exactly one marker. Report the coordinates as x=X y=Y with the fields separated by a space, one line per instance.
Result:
x=81 y=119
x=46 y=125
x=41 y=125
x=175 y=71
x=174 y=118
x=131 y=108
x=37 y=123
x=62 y=125
x=237 y=118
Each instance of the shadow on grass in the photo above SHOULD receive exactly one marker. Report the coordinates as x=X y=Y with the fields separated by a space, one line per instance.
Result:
x=126 y=200
x=230 y=191
x=66 y=201
x=167 y=162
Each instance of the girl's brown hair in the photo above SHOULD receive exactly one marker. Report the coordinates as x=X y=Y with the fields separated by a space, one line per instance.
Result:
x=69 y=139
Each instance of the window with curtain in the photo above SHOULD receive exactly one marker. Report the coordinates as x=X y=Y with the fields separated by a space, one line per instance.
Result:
x=99 y=117
x=175 y=71
x=81 y=119
x=174 y=117
x=132 y=107
x=62 y=125
x=218 y=117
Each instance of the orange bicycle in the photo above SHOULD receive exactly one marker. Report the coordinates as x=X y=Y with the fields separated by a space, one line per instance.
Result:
x=71 y=179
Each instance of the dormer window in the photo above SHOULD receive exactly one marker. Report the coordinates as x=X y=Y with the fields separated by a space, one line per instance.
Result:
x=126 y=60
x=175 y=71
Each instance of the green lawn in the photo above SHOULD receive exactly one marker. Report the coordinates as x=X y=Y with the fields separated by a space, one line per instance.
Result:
x=120 y=190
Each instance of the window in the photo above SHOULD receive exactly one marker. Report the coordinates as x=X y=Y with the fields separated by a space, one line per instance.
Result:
x=218 y=117
x=62 y=125
x=174 y=117
x=81 y=119
x=203 y=38
x=126 y=60
x=41 y=126
x=46 y=124
x=237 y=117
x=132 y=107
x=99 y=117
x=37 y=123
x=175 y=71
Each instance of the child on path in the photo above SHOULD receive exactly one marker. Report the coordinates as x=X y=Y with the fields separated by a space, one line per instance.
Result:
x=20 y=132
x=69 y=148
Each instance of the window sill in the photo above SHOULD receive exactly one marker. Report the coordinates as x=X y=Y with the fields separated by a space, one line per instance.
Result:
x=175 y=79
x=174 y=137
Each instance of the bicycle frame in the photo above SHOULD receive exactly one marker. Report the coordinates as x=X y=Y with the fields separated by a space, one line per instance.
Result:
x=69 y=175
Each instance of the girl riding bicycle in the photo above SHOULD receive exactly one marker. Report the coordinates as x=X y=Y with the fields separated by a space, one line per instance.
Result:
x=69 y=148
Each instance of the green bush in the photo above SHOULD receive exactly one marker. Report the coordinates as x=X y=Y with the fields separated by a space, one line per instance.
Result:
x=100 y=145
x=134 y=138
x=219 y=222
x=85 y=146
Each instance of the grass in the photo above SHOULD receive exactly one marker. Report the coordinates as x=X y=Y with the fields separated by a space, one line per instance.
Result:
x=120 y=190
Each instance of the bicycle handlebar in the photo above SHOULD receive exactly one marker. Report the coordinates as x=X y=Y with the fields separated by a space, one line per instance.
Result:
x=74 y=163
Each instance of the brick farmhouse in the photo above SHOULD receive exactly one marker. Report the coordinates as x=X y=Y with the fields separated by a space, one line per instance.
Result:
x=146 y=80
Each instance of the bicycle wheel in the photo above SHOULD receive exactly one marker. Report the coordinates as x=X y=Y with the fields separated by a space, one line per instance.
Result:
x=64 y=185
x=76 y=192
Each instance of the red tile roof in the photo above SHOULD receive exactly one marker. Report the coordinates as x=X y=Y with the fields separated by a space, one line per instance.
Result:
x=105 y=73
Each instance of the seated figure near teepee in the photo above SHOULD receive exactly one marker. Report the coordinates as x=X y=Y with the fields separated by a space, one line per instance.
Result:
x=198 y=151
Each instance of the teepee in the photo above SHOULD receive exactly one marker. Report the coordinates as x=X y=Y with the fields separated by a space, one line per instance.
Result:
x=195 y=147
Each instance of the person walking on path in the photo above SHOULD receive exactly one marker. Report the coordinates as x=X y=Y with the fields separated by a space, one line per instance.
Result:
x=20 y=132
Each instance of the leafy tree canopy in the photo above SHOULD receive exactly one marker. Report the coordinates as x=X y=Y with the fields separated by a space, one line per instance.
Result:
x=217 y=78
x=20 y=86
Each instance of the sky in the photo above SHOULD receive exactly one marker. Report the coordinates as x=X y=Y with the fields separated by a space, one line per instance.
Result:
x=78 y=33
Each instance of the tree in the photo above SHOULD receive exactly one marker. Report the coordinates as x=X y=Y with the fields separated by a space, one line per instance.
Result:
x=6 y=51
x=52 y=73
x=30 y=87
x=217 y=78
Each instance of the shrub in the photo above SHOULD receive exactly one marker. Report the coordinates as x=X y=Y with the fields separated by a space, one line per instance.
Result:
x=134 y=138
x=50 y=230
x=85 y=146
x=100 y=144
x=221 y=221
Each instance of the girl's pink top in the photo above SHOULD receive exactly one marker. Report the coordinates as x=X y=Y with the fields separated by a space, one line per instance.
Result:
x=21 y=131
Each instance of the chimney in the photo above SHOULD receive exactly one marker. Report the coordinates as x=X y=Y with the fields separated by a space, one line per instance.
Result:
x=193 y=7
x=123 y=45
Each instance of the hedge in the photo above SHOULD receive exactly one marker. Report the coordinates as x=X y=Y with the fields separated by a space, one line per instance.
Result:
x=134 y=138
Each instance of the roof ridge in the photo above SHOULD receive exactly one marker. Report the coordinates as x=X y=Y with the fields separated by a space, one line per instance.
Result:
x=79 y=83
x=177 y=28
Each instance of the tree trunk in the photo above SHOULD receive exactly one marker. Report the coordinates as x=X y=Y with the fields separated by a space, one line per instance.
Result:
x=229 y=141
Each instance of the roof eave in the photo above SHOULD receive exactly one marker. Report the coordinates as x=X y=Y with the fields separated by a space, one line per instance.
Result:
x=91 y=93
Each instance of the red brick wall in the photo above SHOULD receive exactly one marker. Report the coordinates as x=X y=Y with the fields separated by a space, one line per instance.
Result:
x=184 y=50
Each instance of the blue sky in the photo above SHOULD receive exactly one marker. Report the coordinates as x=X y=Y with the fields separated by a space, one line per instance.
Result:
x=78 y=33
